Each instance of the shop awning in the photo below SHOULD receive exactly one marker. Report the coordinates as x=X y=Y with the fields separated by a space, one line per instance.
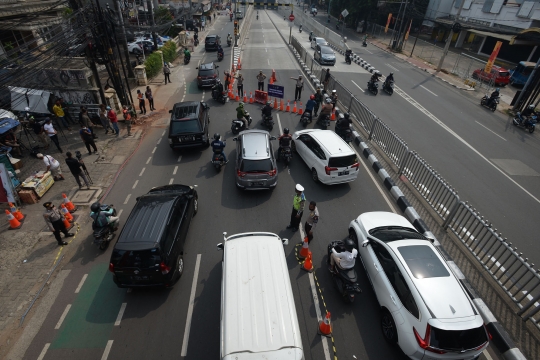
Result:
x=495 y=35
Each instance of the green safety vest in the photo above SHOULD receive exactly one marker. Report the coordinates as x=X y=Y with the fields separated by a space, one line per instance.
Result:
x=298 y=200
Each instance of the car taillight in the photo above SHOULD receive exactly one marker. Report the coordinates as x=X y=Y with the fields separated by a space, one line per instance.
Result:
x=424 y=343
x=356 y=165
x=272 y=172
x=328 y=169
x=164 y=268
x=111 y=267
x=199 y=78
x=240 y=173
x=489 y=334
x=215 y=76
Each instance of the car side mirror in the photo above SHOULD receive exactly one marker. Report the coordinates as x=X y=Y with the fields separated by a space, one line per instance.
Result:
x=219 y=246
x=365 y=243
x=217 y=66
x=170 y=111
x=285 y=241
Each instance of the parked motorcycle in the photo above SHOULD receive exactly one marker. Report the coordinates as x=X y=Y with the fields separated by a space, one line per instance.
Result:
x=268 y=122
x=323 y=121
x=525 y=122
x=285 y=153
x=218 y=160
x=388 y=87
x=373 y=87
x=104 y=235
x=490 y=105
x=306 y=119
x=346 y=281
x=238 y=125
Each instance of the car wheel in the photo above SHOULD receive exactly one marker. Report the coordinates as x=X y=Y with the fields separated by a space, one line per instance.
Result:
x=179 y=266
x=293 y=147
x=388 y=327
x=195 y=206
x=353 y=237
x=314 y=175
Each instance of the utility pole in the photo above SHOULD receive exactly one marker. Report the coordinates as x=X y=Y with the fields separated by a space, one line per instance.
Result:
x=401 y=25
x=395 y=24
x=130 y=73
x=449 y=40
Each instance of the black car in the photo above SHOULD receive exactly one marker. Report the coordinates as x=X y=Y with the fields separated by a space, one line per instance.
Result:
x=150 y=248
x=189 y=125
x=211 y=42
x=208 y=75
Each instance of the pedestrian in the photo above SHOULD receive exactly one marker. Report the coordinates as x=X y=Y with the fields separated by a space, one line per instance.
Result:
x=299 y=201
x=260 y=79
x=113 y=119
x=200 y=25
x=38 y=130
x=167 y=73
x=240 y=84
x=127 y=118
x=88 y=140
x=228 y=78
x=76 y=167
x=298 y=88
x=214 y=16
x=326 y=79
x=142 y=105
x=59 y=112
x=312 y=220
x=318 y=100
x=51 y=132
x=52 y=165
x=85 y=121
x=66 y=112
x=210 y=20
x=104 y=119
x=203 y=23
x=148 y=94
x=10 y=140
x=55 y=221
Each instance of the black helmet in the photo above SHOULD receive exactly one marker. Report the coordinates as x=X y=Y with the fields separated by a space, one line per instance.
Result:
x=286 y=130
x=96 y=207
x=349 y=245
x=347 y=115
x=216 y=136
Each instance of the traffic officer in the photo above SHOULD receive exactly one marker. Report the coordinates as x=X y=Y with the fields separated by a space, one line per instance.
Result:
x=312 y=220
x=299 y=201
x=55 y=221
x=318 y=99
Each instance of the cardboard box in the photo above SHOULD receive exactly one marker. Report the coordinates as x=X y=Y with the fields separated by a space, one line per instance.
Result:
x=28 y=197
x=17 y=163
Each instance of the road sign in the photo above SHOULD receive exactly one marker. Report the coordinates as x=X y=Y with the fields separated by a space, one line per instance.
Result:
x=276 y=91
x=291 y=17
x=344 y=13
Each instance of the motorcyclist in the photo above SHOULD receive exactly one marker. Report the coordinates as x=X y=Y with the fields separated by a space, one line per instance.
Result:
x=348 y=54
x=529 y=111
x=218 y=146
x=218 y=87
x=241 y=114
x=103 y=218
x=344 y=260
x=389 y=79
x=375 y=77
x=494 y=95
x=343 y=123
x=334 y=98
x=310 y=105
x=231 y=15
x=326 y=109
x=187 y=54
x=267 y=110
x=284 y=140
x=229 y=39
x=318 y=100
x=220 y=51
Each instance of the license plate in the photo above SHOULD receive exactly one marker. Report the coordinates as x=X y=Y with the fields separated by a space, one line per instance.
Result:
x=343 y=173
x=140 y=278
x=256 y=184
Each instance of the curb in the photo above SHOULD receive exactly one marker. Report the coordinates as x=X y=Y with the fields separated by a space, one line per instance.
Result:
x=499 y=336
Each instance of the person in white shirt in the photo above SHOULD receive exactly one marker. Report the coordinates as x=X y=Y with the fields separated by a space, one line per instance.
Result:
x=346 y=259
x=52 y=165
x=49 y=130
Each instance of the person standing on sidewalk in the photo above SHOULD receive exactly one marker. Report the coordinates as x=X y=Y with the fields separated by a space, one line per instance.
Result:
x=240 y=85
x=51 y=132
x=114 y=120
x=104 y=119
x=127 y=118
x=142 y=105
x=85 y=121
x=38 y=130
x=298 y=88
x=59 y=112
x=312 y=220
x=88 y=140
x=299 y=201
x=167 y=73
x=55 y=221
x=74 y=166
x=318 y=100
x=148 y=94
x=52 y=165
x=260 y=81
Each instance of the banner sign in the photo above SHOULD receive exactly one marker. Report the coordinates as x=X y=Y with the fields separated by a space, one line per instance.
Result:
x=493 y=56
x=276 y=91
x=388 y=22
x=408 y=31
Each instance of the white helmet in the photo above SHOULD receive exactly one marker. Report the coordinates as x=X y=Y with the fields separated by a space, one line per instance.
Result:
x=299 y=187
x=27 y=109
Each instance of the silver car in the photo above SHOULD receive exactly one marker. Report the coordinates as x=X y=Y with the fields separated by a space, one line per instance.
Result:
x=255 y=162
x=324 y=55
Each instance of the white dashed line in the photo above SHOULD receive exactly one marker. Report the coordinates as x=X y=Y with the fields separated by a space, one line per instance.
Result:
x=164 y=131
x=190 y=306
x=107 y=350
x=425 y=88
x=120 y=212
x=180 y=158
x=390 y=66
x=127 y=199
x=135 y=185
x=61 y=320
x=142 y=171
x=175 y=170
x=81 y=283
x=148 y=161
x=171 y=181
x=153 y=151
x=120 y=314
x=159 y=141
x=44 y=351
x=488 y=129
x=358 y=86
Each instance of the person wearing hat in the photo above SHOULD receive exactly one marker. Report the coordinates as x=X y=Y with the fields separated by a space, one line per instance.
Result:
x=299 y=201
x=260 y=79
x=55 y=221
x=111 y=115
x=51 y=132
x=52 y=165
x=240 y=84
x=298 y=88
x=312 y=220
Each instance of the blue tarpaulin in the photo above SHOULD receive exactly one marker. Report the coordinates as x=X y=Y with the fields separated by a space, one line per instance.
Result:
x=7 y=124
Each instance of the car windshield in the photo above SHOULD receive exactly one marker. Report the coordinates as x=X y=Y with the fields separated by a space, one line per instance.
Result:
x=206 y=72
x=458 y=340
x=321 y=41
x=393 y=233
x=185 y=126
x=422 y=261
x=342 y=161
x=255 y=166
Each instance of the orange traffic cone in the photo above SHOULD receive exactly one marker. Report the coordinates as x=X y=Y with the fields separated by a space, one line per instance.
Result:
x=273 y=77
x=237 y=96
x=245 y=98
x=308 y=264
x=288 y=108
x=250 y=98
x=294 y=108
x=16 y=212
x=281 y=105
x=275 y=104
x=230 y=94
x=13 y=223
x=300 y=111
x=271 y=81
x=325 y=328
x=67 y=224
x=66 y=213
x=333 y=117
x=304 y=251
x=69 y=204
x=239 y=66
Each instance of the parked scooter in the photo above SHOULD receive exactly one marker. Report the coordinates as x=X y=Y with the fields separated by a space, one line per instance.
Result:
x=306 y=119
x=373 y=87
x=346 y=281
x=490 y=105
x=526 y=122
x=238 y=125
x=388 y=87
x=219 y=56
x=104 y=235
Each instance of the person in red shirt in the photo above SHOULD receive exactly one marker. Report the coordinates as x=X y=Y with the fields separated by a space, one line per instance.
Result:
x=114 y=120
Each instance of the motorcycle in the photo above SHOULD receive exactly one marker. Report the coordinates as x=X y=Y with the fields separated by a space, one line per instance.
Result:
x=346 y=134
x=229 y=42
x=311 y=35
x=222 y=98
x=104 y=235
x=364 y=43
x=196 y=42
x=388 y=87
x=218 y=160
x=220 y=56
x=323 y=121
x=348 y=59
x=238 y=125
x=373 y=87
x=187 y=59
x=268 y=122
x=492 y=105
x=528 y=123
x=306 y=118
x=285 y=153
x=346 y=281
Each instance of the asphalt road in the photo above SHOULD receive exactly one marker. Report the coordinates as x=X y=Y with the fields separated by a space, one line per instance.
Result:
x=92 y=319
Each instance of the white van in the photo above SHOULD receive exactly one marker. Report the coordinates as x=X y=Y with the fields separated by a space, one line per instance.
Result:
x=258 y=315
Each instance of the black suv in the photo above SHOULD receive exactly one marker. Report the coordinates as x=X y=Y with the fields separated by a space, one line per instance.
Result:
x=211 y=42
x=150 y=248
x=189 y=125
x=208 y=75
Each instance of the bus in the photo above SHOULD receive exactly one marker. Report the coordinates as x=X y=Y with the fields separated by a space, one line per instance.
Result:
x=521 y=73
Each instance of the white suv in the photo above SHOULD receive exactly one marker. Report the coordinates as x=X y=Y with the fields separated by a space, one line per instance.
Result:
x=330 y=159
x=424 y=308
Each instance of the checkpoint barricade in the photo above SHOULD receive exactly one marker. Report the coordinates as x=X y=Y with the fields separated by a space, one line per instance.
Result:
x=261 y=96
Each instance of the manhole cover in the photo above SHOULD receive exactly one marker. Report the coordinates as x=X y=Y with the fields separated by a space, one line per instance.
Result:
x=83 y=197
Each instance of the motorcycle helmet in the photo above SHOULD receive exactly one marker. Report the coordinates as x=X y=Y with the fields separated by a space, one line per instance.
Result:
x=241 y=105
x=391 y=73
x=286 y=130
x=346 y=115
x=268 y=103
x=531 y=107
x=96 y=207
x=312 y=97
x=328 y=100
x=334 y=91
x=27 y=109
x=229 y=34
x=216 y=136
x=349 y=245
x=497 y=89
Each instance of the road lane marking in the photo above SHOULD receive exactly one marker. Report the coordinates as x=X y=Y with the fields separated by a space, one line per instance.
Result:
x=171 y=181
x=268 y=61
x=44 y=351
x=164 y=131
x=120 y=314
x=135 y=185
x=390 y=66
x=425 y=88
x=190 y=306
x=179 y=158
x=153 y=151
x=148 y=161
x=142 y=171
x=175 y=170
x=107 y=350
x=279 y=124
x=488 y=129
x=159 y=141
x=362 y=90
x=127 y=199
x=120 y=212
x=61 y=320
x=81 y=283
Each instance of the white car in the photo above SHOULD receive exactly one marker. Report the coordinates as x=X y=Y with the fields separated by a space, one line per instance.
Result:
x=330 y=159
x=136 y=47
x=239 y=15
x=424 y=308
x=317 y=41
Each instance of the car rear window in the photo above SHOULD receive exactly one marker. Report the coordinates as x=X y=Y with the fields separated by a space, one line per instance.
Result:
x=185 y=126
x=342 y=161
x=393 y=233
x=423 y=262
x=185 y=111
x=206 y=72
x=458 y=340
x=326 y=50
x=504 y=73
x=142 y=259
x=255 y=166
x=210 y=40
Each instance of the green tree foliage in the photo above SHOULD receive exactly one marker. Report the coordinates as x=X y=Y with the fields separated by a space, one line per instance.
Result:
x=162 y=15
x=153 y=65
x=169 y=51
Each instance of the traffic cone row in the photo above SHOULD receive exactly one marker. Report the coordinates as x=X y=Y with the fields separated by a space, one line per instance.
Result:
x=275 y=104
x=69 y=205
x=333 y=117
x=245 y=98
x=66 y=213
x=16 y=212
x=288 y=108
x=250 y=98
x=13 y=223
x=281 y=105
x=237 y=96
x=294 y=108
x=304 y=251
x=300 y=110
